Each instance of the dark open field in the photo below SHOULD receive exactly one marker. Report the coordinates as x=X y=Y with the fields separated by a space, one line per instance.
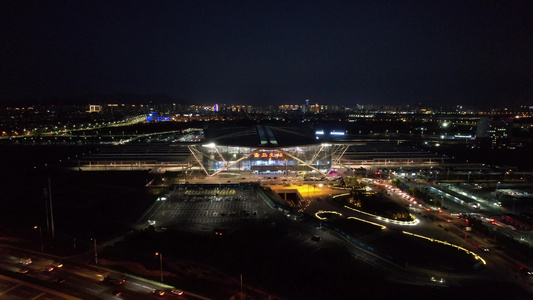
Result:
x=85 y=204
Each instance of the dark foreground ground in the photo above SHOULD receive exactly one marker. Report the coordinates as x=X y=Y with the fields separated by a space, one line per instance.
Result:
x=274 y=264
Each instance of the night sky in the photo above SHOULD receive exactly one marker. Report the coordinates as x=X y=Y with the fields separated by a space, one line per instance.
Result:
x=477 y=53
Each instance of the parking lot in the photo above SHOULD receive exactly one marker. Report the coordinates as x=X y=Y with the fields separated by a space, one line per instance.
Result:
x=215 y=206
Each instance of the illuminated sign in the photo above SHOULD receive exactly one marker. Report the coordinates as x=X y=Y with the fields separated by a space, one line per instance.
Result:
x=265 y=155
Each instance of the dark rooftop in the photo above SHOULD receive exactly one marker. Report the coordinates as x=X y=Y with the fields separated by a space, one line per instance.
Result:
x=260 y=135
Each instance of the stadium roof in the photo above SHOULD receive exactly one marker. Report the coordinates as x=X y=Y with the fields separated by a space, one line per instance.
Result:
x=260 y=136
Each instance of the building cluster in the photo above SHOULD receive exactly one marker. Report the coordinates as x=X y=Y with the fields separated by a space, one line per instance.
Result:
x=494 y=133
x=496 y=129
x=309 y=108
x=45 y=119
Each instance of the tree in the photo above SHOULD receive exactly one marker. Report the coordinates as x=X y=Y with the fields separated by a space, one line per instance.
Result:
x=411 y=190
x=396 y=182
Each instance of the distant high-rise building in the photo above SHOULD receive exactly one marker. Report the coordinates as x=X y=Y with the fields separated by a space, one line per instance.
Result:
x=494 y=134
x=315 y=108
x=288 y=107
x=94 y=108
x=305 y=108
x=334 y=108
x=482 y=130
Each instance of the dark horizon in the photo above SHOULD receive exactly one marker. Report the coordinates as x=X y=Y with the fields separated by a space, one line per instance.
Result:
x=439 y=53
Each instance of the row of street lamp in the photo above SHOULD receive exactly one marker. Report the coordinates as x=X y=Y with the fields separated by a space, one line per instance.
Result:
x=160 y=254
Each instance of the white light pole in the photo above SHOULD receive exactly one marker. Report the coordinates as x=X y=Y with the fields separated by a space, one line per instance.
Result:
x=51 y=209
x=160 y=263
x=41 y=234
x=95 y=251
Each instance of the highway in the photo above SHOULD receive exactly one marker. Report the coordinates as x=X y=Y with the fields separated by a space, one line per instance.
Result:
x=44 y=279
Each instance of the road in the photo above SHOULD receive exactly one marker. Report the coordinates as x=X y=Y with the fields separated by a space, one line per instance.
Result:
x=43 y=279
x=445 y=224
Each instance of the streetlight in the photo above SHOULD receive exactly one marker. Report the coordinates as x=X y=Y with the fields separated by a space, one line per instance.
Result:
x=497 y=185
x=160 y=263
x=95 y=251
x=241 y=286
x=468 y=180
x=41 y=234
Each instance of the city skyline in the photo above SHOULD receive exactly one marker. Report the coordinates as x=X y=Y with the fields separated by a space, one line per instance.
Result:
x=439 y=54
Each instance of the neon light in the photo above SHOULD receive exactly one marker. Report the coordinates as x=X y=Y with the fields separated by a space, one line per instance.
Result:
x=326 y=212
x=268 y=155
x=405 y=223
x=372 y=223
x=477 y=257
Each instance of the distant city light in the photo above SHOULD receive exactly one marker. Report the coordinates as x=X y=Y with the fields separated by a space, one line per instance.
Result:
x=459 y=136
x=336 y=133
